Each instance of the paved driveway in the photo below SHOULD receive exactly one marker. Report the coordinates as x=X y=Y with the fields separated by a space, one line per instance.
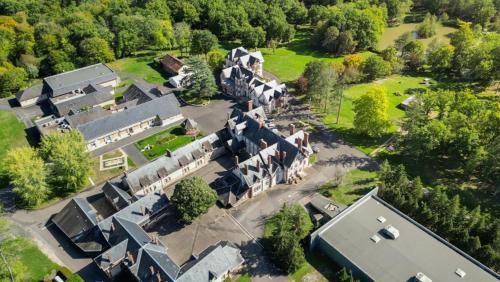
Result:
x=213 y=117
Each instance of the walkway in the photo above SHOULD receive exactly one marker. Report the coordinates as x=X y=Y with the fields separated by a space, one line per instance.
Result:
x=136 y=155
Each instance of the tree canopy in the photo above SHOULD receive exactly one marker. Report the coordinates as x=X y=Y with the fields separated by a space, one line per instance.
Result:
x=370 y=112
x=193 y=197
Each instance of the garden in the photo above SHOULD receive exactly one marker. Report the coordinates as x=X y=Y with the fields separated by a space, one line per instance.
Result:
x=157 y=145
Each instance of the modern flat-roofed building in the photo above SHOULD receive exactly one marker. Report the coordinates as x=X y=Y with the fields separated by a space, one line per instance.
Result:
x=361 y=238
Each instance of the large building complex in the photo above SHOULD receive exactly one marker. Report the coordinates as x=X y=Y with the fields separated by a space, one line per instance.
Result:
x=377 y=242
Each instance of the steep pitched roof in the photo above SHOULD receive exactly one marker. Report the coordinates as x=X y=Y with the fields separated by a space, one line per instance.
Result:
x=117 y=195
x=76 y=218
x=171 y=63
x=154 y=262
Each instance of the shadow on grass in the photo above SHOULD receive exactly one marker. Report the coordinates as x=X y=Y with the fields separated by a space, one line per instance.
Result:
x=365 y=143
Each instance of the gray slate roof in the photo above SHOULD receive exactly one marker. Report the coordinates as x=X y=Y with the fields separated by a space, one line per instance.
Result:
x=76 y=218
x=30 y=93
x=68 y=81
x=155 y=256
x=164 y=107
x=214 y=261
x=80 y=118
x=416 y=249
x=117 y=195
x=83 y=101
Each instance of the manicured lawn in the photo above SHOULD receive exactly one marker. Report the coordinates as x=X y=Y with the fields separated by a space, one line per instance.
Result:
x=393 y=84
x=355 y=185
x=99 y=175
x=12 y=133
x=288 y=62
x=141 y=65
x=169 y=139
x=21 y=250
x=244 y=278
x=391 y=33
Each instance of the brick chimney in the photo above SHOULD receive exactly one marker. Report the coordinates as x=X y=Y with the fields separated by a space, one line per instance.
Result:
x=263 y=144
x=261 y=123
x=299 y=144
x=130 y=257
x=277 y=154
x=152 y=270
x=245 y=169
x=158 y=277
x=249 y=105
x=258 y=165
x=270 y=163
x=292 y=129
x=306 y=138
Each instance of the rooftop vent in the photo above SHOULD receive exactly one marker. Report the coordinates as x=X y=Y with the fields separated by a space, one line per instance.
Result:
x=381 y=219
x=375 y=238
x=391 y=231
x=420 y=277
x=460 y=273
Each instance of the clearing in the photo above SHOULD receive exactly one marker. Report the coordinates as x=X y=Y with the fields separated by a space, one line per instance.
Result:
x=354 y=185
x=289 y=62
x=141 y=65
x=170 y=139
x=392 y=33
x=395 y=84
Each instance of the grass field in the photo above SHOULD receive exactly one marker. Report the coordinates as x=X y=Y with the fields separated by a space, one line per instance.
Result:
x=23 y=256
x=392 y=84
x=355 y=184
x=169 y=139
x=391 y=33
x=288 y=62
x=142 y=65
x=12 y=133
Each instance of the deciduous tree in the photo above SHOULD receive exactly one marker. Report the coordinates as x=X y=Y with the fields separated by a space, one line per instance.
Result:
x=203 y=41
x=370 y=112
x=193 y=197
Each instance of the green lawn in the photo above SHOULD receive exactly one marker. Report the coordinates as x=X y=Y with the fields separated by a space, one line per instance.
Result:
x=112 y=154
x=99 y=175
x=288 y=62
x=24 y=256
x=391 y=33
x=142 y=65
x=12 y=133
x=244 y=278
x=169 y=139
x=393 y=84
x=354 y=185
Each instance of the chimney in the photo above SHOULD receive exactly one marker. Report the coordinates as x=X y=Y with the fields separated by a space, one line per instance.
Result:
x=277 y=154
x=270 y=163
x=152 y=270
x=130 y=257
x=292 y=129
x=158 y=277
x=283 y=155
x=258 y=166
x=245 y=170
x=249 y=105
x=237 y=160
x=112 y=227
x=299 y=144
x=306 y=138
x=261 y=123
x=263 y=144
x=143 y=210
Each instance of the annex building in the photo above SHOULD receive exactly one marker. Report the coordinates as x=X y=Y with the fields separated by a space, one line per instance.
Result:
x=83 y=100
x=377 y=242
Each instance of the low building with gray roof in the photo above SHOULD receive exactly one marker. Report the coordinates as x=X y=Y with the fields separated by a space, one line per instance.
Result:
x=67 y=82
x=31 y=95
x=92 y=96
x=357 y=239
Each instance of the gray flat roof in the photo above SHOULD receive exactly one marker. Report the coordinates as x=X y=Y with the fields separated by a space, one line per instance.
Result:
x=415 y=250
x=71 y=80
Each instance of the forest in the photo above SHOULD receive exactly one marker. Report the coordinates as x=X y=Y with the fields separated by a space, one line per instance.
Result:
x=44 y=37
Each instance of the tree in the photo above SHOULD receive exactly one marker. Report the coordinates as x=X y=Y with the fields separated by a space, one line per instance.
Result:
x=286 y=229
x=203 y=41
x=68 y=159
x=182 y=34
x=95 y=50
x=413 y=55
x=321 y=83
x=193 y=197
x=252 y=37
x=428 y=27
x=11 y=79
x=397 y=9
x=200 y=82
x=215 y=60
x=370 y=112
x=390 y=55
x=440 y=59
x=27 y=174
x=374 y=67
x=403 y=40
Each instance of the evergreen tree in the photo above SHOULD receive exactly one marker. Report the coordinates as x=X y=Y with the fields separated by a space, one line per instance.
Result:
x=200 y=82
